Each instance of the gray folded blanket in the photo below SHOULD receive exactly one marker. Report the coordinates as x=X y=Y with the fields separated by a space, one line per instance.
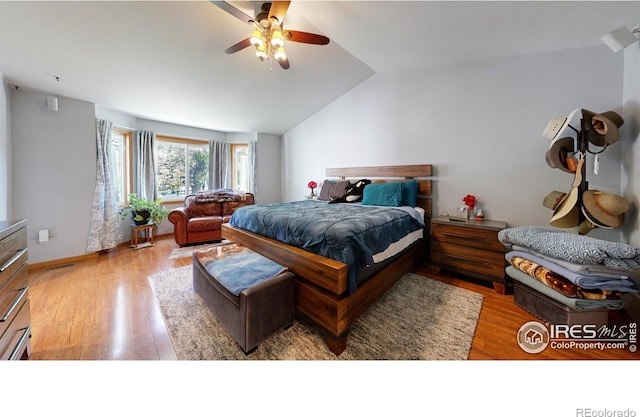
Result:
x=573 y=248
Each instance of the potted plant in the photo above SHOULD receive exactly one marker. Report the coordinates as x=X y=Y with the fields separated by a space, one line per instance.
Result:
x=142 y=211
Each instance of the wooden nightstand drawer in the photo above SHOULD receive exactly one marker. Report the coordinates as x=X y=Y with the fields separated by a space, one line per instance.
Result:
x=479 y=261
x=470 y=248
x=476 y=238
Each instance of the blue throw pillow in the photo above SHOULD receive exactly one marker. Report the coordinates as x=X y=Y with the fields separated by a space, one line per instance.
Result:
x=383 y=194
x=410 y=193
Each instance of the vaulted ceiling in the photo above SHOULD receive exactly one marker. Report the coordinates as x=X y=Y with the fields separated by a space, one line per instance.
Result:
x=165 y=60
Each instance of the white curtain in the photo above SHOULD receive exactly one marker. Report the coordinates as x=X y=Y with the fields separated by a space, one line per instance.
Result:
x=253 y=167
x=145 y=165
x=105 y=232
x=218 y=165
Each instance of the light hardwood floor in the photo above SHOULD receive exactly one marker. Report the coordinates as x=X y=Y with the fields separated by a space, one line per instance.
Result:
x=103 y=308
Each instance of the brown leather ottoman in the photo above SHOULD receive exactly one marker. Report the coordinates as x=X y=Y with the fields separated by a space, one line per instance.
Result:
x=257 y=312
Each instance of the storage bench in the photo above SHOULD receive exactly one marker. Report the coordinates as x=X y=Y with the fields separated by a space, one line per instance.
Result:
x=251 y=305
x=551 y=311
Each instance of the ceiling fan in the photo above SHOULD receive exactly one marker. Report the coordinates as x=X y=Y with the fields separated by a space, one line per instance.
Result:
x=269 y=34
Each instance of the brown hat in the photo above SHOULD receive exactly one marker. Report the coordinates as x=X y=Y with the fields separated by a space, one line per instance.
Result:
x=603 y=209
x=552 y=199
x=602 y=129
x=558 y=153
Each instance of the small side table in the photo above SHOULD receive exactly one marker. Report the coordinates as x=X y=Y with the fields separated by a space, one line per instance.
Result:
x=147 y=229
x=470 y=248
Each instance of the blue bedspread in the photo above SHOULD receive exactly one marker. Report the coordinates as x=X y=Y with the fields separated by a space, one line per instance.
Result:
x=349 y=233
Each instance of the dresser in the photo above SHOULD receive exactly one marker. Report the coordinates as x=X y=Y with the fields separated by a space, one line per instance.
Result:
x=15 y=318
x=470 y=248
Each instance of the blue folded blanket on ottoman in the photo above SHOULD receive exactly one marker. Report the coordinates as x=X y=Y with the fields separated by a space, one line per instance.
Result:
x=238 y=268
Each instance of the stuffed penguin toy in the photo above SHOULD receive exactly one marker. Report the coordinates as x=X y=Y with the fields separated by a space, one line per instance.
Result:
x=353 y=192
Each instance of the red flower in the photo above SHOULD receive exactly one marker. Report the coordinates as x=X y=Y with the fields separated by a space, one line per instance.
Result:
x=312 y=184
x=470 y=201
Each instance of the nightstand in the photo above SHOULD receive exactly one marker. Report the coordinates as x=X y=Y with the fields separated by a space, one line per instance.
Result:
x=470 y=248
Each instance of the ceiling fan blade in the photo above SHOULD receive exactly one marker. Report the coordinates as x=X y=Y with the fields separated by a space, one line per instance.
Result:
x=305 y=37
x=238 y=46
x=284 y=63
x=278 y=10
x=233 y=11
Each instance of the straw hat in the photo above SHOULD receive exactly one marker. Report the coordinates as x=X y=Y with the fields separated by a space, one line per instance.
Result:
x=552 y=199
x=586 y=226
x=603 y=209
x=602 y=129
x=567 y=212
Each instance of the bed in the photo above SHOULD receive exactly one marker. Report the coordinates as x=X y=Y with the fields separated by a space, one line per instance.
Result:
x=330 y=293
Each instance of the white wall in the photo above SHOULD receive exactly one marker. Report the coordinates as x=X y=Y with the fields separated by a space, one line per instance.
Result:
x=54 y=172
x=5 y=151
x=630 y=135
x=269 y=168
x=479 y=123
x=631 y=157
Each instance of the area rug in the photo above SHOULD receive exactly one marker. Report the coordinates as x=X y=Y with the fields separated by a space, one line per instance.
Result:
x=418 y=318
x=187 y=251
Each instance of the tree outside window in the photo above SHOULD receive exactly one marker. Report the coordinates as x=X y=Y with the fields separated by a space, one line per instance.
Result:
x=182 y=167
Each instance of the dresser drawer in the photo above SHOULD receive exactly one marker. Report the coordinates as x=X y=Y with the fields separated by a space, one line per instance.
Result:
x=13 y=254
x=466 y=236
x=15 y=341
x=479 y=261
x=12 y=295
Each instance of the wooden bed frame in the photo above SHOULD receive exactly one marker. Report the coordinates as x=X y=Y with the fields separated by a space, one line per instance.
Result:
x=321 y=283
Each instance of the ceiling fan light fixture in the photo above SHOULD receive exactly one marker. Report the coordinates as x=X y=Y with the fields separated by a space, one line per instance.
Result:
x=261 y=52
x=268 y=33
x=277 y=41
x=280 y=55
x=257 y=38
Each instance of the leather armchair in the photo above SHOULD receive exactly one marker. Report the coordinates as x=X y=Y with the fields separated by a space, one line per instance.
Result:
x=202 y=222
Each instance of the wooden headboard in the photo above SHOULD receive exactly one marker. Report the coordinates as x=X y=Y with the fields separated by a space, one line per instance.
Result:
x=420 y=173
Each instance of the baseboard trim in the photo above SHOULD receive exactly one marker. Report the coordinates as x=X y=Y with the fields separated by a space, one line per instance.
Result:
x=56 y=263
x=62 y=262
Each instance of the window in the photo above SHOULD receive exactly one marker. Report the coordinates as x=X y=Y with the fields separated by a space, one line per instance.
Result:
x=182 y=167
x=240 y=167
x=121 y=147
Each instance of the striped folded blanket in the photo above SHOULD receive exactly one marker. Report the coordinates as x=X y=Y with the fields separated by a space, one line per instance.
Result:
x=219 y=196
x=559 y=283
x=587 y=282
x=574 y=303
